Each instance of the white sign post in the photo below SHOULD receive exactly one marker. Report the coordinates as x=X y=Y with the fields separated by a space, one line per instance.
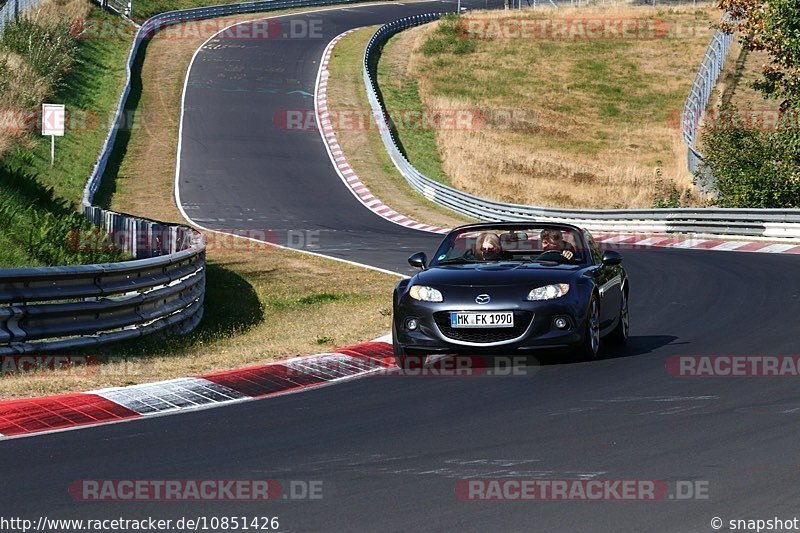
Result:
x=53 y=119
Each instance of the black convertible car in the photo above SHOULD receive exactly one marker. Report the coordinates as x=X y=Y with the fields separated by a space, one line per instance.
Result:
x=509 y=288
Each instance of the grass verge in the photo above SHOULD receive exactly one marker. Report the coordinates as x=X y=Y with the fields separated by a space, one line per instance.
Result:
x=90 y=93
x=735 y=85
x=564 y=122
x=411 y=119
x=37 y=200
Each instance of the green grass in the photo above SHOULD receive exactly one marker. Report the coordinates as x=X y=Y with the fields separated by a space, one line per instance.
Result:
x=39 y=203
x=304 y=301
x=91 y=92
x=402 y=100
x=447 y=40
x=597 y=71
x=144 y=9
x=40 y=229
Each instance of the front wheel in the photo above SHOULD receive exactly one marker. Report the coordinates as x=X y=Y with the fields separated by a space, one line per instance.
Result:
x=590 y=347
x=621 y=332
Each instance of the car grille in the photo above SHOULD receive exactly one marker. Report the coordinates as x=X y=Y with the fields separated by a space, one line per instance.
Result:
x=522 y=320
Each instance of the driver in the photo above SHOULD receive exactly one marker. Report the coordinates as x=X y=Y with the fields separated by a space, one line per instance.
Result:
x=553 y=240
x=487 y=247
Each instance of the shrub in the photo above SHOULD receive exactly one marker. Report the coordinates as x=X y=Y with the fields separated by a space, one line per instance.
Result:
x=753 y=167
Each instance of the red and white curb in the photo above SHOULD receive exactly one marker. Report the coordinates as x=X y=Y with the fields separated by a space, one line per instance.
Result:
x=68 y=411
x=637 y=241
x=343 y=168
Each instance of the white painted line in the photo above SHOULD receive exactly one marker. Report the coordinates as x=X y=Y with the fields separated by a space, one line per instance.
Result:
x=650 y=241
x=169 y=395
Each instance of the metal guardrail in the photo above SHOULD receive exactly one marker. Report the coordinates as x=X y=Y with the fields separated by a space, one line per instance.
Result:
x=55 y=308
x=697 y=102
x=768 y=223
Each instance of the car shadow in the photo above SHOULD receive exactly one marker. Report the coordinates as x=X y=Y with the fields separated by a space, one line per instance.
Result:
x=636 y=345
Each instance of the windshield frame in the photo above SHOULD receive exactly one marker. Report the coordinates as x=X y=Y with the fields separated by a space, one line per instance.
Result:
x=579 y=236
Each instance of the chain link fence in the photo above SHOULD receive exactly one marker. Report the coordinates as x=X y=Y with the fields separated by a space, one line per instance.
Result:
x=697 y=102
x=12 y=9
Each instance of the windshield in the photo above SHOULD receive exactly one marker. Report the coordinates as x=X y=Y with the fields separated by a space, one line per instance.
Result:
x=503 y=244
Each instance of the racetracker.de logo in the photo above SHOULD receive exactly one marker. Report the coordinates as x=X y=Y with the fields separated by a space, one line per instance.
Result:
x=219 y=29
x=79 y=365
x=520 y=489
x=731 y=120
x=194 y=489
x=565 y=29
x=733 y=366
x=399 y=119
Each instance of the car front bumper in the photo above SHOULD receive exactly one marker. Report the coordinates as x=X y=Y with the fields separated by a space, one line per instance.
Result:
x=534 y=327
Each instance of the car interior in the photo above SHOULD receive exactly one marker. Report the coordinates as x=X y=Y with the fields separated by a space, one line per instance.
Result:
x=514 y=245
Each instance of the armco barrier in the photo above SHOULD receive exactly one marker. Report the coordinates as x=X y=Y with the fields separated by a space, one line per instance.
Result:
x=56 y=308
x=11 y=10
x=768 y=223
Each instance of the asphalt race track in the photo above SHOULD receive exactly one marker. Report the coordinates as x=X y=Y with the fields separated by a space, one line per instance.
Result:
x=390 y=450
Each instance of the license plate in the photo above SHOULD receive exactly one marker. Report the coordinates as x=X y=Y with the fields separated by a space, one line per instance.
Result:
x=482 y=320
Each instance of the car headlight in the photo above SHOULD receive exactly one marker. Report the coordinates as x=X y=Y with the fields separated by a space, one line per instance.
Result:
x=549 y=292
x=425 y=294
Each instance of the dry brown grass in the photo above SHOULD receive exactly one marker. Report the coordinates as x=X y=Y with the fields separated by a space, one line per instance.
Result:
x=53 y=11
x=363 y=146
x=738 y=82
x=262 y=303
x=594 y=123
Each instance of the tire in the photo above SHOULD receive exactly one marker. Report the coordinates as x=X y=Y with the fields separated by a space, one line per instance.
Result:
x=590 y=346
x=620 y=334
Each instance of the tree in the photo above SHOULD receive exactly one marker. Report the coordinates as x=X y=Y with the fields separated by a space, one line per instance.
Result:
x=774 y=27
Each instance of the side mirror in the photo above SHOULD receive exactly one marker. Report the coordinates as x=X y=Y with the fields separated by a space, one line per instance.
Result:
x=418 y=260
x=611 y=258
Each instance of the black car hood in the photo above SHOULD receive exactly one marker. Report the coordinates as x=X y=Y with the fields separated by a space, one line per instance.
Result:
x=498 y=274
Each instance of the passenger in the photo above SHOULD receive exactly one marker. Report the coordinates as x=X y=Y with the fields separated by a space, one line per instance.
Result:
x=553 y=240
x=487 y=247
